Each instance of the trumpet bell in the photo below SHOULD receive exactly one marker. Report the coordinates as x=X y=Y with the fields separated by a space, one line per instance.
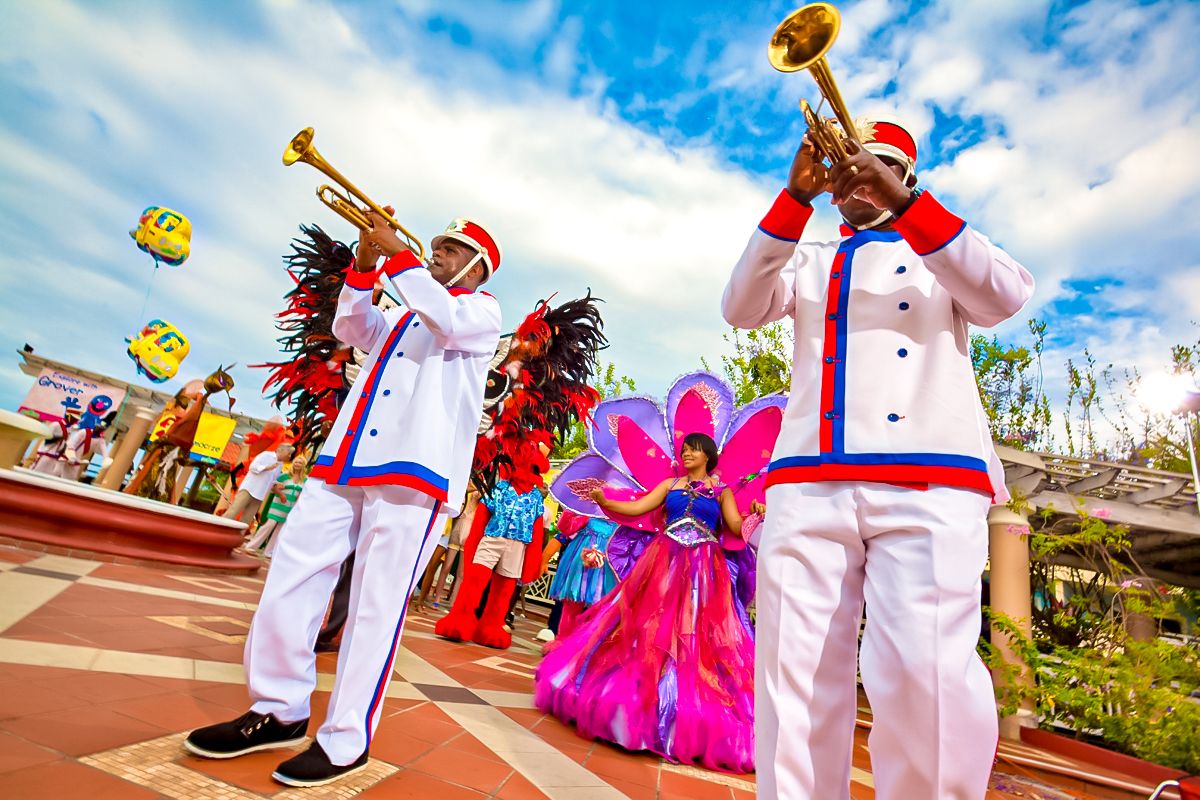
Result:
x=804 y=37
x=298 y=147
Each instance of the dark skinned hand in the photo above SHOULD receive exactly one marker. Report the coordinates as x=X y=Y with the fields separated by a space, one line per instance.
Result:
x=809 y=177
x=863 y=176
x=379 y=240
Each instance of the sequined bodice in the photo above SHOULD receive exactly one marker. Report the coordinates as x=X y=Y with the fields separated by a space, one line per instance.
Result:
x=693 y=514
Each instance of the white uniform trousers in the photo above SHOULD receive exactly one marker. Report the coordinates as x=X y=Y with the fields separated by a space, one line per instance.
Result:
x=393 y=531
x=916 y=557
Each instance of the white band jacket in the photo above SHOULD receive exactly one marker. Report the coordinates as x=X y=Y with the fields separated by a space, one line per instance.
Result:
x=882 y=383
x=413 y=412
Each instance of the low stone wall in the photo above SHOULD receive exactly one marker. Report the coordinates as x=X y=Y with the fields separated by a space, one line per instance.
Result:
x=59 y=513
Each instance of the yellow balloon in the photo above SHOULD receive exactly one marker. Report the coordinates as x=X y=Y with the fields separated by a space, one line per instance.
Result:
x=164 y=234
x=158 y=350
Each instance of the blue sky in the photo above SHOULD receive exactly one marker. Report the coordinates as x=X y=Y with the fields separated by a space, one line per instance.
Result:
x=626 y=147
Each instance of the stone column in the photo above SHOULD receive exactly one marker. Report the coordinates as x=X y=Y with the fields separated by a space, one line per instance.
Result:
x=1008 y=546
x=181 y=482
x=126 y=447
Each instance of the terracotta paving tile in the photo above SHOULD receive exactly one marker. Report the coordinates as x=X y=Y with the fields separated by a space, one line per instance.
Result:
x=518 y=787
x=694 y=788
x=251 y=771
x=61 y=780
x=24 y=672
x=480 y=774
x=557 y=733
x=230 y=653
x=743 y=794
x=20 y=698
x=398 y=748
x=232 y=696
x=425 y=722
x=525 y=717
x=608 y=762
x=398 y=705
x=16 y=753
x=634 y=791
x=103 y=687
x=412 y=785
x=15 y=556
x=466 y=743
x=860 y=792
x=173 y=712
x=82 y=731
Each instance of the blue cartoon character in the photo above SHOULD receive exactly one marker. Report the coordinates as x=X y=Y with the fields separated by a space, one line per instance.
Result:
x=164 y=234
x=158 y=350
x=97 y=408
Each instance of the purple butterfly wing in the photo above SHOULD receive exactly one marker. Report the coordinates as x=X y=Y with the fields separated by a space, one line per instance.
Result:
x=629 y=433
x=572 y=488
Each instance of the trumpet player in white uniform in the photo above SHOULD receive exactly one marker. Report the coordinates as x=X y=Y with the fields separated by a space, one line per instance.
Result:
x=394 y=466
x=880 y=481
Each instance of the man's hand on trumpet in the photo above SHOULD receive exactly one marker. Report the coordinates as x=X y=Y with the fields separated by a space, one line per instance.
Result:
x=377 y=241
x=809 y=176
x=863 y=176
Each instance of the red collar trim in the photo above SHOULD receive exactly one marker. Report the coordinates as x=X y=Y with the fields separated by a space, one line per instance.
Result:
x=460 y=290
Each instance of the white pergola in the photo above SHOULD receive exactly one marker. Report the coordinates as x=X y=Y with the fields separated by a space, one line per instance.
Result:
x=1159 y=508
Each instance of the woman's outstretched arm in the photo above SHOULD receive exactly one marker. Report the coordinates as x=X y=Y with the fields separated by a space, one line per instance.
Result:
x=634 y=508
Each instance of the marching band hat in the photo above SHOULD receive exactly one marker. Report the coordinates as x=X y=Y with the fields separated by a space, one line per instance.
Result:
x=888 y=138
x=473 y=235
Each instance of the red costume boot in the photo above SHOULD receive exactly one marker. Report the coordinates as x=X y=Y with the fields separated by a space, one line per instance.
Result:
x=460 y=623
x=490 y=630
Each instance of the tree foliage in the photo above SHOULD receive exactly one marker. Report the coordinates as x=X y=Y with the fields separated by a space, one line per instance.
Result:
x=609 y=383
x=761 y=363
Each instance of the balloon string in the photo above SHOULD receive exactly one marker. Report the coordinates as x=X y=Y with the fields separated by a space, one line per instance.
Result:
x=146 y=300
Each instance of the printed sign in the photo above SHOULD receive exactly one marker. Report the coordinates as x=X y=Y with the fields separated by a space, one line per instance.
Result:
x=55 y=392
x=212 y=434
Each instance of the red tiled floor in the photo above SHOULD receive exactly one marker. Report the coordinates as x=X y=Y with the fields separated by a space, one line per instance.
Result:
x=48 y=715
x=251 y=771
x=399 y=748
x=81 y=731
x=672 y=783
x=412 y=785
x=424 y=722
x=608 y=762
x=448 y=763
x=102 y=687
x=466 y=743
x=68 y=779
x=634 y=791
x=17 y=753
x=518 y=787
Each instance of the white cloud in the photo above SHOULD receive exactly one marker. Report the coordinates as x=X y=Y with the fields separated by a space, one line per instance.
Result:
x=578 y=198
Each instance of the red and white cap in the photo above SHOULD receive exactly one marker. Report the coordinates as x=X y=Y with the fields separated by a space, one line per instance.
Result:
x=474 y=236
x=889 y=139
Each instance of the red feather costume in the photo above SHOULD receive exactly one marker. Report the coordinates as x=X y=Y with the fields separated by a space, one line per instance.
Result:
x=537 y=390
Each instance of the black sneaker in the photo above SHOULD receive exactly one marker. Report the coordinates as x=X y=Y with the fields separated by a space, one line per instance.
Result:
x=247 y=734
x=313 y=768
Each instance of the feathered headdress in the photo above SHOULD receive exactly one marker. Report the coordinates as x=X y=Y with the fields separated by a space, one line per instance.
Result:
x=313 y=381
x=538 y=388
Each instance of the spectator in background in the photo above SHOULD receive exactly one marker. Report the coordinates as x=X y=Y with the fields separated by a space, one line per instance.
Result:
x=259 y=480
x=286 y=490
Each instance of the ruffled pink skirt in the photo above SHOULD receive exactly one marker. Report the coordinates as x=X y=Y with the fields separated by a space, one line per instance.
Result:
x=662 y=663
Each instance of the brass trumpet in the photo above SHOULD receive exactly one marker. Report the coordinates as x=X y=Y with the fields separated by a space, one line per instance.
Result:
x=301 y=148
x=801 y=42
